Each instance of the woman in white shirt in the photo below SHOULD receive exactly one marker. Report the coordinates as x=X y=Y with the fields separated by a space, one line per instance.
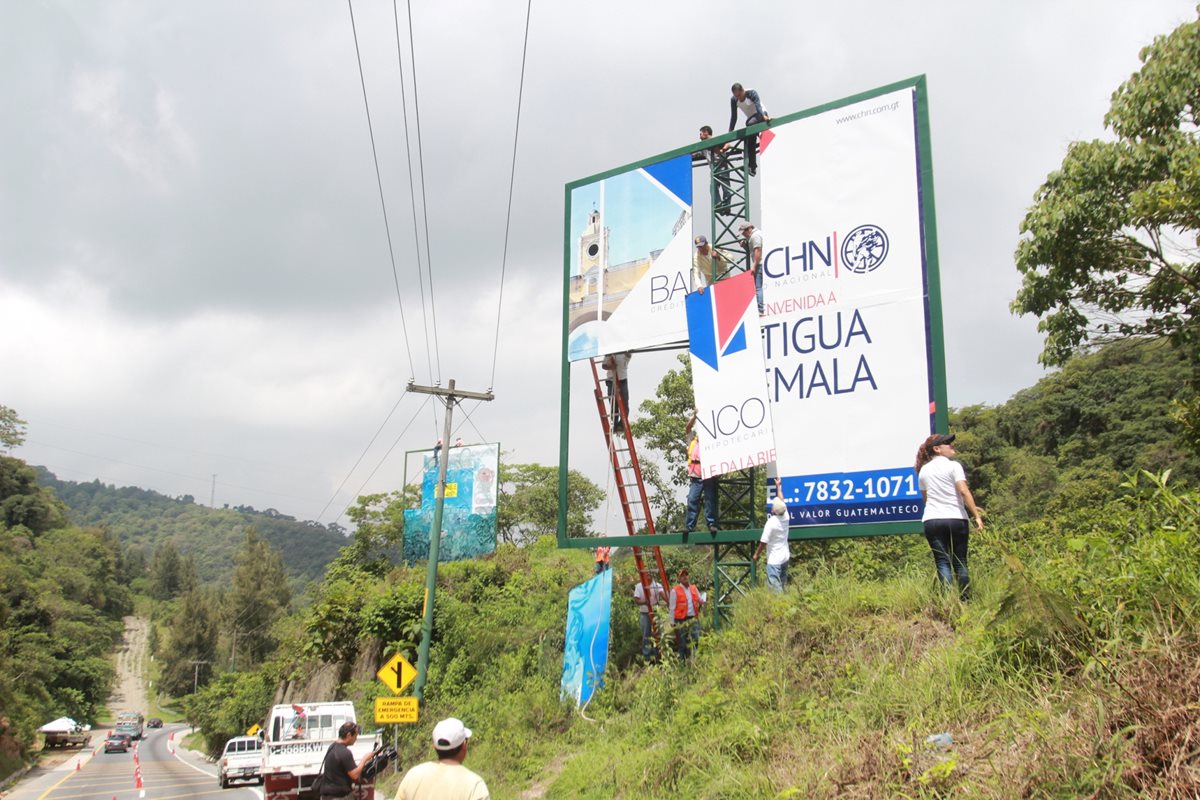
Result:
x=947 y=499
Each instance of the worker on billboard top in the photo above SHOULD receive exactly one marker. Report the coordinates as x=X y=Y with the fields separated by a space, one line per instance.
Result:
x=750 y=104
x=446 y=778
x=754 y=246
x=718 y=161
x=709 y=265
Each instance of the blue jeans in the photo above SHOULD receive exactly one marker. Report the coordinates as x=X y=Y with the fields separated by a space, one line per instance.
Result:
x=948 y=540
x=687 y=634
x=601 y=566
x=707 y=487
x=648 y=651
x=777 y=576
x=758 y=287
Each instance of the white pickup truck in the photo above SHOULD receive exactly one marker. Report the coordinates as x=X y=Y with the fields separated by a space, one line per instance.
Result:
x=241 y=760
x=295 y=741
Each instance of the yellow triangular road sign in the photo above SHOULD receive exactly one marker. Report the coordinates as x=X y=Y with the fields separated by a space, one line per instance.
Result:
x=397 y=673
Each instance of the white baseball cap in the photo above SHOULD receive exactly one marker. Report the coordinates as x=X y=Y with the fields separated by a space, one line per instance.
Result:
x=449 y=734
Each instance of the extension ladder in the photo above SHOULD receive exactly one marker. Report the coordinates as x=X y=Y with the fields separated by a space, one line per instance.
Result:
x=635 y=505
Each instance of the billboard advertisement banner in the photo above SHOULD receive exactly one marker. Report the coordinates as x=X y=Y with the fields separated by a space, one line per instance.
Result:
x=733 y=414
x=630 y=259
x=846 y=336
x=585 y=651
x=469 y=513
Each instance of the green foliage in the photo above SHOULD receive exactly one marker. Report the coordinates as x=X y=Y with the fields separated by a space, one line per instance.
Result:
x=12 y=429
x=527 y=502
x=379 y=529
x=229 y=706
x=258 y=596
x=1108 y=245
x=1064 y=442
x=144 y=520
x=190 y=647
x=61 y=600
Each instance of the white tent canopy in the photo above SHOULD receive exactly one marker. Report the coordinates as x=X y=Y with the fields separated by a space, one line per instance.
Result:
x=60 y=725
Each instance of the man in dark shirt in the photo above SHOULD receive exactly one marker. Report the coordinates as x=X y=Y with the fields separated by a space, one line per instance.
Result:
x=339 y=770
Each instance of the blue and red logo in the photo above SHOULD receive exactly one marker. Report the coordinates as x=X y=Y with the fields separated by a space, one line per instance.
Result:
x=716 y=318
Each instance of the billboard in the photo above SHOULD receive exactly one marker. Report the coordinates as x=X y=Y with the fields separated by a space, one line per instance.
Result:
x=585 y=651
x=833 y=386
x=469 y=513
x=846 y=335
x=630 y=259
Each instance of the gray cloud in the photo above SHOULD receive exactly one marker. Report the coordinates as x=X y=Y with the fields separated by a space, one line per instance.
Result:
x=192 y=252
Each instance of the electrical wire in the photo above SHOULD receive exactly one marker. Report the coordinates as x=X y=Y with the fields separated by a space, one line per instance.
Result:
x=383 y=459
x=412 y=53
x=361 y=455
x=512 y=177
x=412 y=192
x=379 y=180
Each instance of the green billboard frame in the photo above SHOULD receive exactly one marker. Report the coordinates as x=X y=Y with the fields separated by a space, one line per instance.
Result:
x=936 y=332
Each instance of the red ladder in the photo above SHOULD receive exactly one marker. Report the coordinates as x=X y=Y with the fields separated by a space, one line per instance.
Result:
x=628 y=472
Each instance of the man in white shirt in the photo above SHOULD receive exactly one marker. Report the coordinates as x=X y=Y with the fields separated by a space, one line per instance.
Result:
x=645 y=609
x=775 y=541
x=446 y=778
x=617 y=367
x=754 y=246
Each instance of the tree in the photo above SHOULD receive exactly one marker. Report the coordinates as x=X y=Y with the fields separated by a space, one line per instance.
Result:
x=166 y=572
x=379 y=529
x=527 y=502
x=12 y=429
x=1109 y=247
x=259 y=594
x=192 y=644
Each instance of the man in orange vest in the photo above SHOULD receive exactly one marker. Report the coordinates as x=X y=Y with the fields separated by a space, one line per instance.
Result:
x=602 y=556
x=685 y=603
x=699 y=485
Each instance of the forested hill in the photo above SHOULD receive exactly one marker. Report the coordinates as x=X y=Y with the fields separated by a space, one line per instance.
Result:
x=143 y=519
x=1067 y=440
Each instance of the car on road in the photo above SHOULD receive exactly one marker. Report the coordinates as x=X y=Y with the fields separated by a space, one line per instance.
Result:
x=154 y=722
x=242 y=760
x=118 y=743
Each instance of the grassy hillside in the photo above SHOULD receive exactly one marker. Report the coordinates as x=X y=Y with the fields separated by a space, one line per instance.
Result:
x=143 y=519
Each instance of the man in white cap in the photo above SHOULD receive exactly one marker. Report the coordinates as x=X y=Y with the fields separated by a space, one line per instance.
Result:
x=754 y=246
x=446 y=778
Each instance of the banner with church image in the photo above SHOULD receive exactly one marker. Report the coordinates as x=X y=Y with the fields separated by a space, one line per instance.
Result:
x=630 y=259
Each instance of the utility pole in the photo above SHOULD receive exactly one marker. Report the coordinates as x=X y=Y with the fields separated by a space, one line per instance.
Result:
x=451 y=397
x=196 y=674
x=212 y=495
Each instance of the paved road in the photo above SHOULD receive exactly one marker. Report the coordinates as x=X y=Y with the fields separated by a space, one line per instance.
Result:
x=166 y=774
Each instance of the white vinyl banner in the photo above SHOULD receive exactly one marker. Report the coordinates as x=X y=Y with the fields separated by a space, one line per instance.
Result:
x=733 y=415
x=846 y=332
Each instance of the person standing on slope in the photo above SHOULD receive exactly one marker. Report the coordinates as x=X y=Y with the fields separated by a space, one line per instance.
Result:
x=948 y=499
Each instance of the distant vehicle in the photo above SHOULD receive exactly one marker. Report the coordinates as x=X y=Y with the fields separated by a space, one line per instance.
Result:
x=242 y=760
x=154 y=722
x=130 y=722
x=117 y=743
x=66 y=732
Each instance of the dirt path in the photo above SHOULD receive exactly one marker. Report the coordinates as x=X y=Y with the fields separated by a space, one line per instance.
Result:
x=129 y=694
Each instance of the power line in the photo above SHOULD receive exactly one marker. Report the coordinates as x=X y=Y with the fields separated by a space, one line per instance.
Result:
x=412 y=53
x=383 y=459
x=362 y=455
x=512 y=177
x=412 y=192
x=379 y=180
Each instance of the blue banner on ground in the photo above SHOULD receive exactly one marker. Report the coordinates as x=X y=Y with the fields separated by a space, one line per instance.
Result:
x=585 y=652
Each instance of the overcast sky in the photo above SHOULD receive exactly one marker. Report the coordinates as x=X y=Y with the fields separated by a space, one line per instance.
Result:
x=194 y=270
